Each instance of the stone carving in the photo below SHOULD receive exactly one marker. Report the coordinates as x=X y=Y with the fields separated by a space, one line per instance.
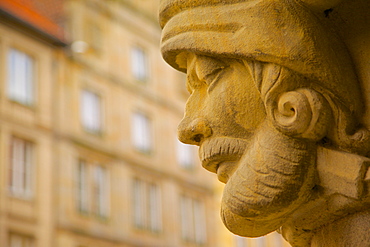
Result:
x=275 y=106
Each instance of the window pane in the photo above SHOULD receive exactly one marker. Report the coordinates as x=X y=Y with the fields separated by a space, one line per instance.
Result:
x=193 y=220
x=139 y=64
x=91 y=111
x=20 y=241
x=240 y=241
x=260 y=242
x=199 y=222
x=20 y=168
x=82 y=196
x=141 y=133
x=15 y=241
x=147 y=206
x=185 y=155
x=93 y=189
x=155 y=208
x=29 y=77
x=20 y=77
x=277 y=239
x=139 y=203
x=17 y=167
x=184 y=218
x=101 y=191
x=187 y=219
x=27 y=169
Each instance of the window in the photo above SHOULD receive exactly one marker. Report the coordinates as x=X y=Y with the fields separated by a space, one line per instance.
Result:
x=93 y=189
x=147 y=206
x=21 y=167
x=82 y=189
x=141 y=134
x=185 y=155
x=193 y=221
x=20 y=77
x=91 y=111
x=277 y=239
x=139 y=64
x=100 y=191
x=240 y=241
x=16 y=240
x=181 y=84
x=260 y=242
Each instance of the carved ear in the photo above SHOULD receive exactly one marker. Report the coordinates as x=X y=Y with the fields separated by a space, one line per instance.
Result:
x=302 y=113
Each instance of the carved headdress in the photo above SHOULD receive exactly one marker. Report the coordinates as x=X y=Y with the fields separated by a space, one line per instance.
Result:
x=281 y=32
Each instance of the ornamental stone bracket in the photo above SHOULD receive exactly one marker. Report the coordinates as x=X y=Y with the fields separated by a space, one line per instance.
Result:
x=279 y=106
x=339 y=207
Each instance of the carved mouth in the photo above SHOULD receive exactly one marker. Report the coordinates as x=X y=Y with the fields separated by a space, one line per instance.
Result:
x=221 y=152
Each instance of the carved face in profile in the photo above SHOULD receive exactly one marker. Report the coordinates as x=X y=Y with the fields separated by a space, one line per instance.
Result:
x=267 y=173
x=222 y=113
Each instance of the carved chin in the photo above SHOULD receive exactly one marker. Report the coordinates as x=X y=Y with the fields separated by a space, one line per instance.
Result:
x=274 y=177
x=247 y=227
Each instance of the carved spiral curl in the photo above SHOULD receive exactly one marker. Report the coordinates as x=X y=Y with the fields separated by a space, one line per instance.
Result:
x=303 y=113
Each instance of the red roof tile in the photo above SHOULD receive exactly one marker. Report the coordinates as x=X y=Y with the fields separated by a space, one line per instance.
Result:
x=44 y=15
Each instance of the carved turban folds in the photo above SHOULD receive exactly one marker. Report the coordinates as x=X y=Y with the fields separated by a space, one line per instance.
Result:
x=281 y=32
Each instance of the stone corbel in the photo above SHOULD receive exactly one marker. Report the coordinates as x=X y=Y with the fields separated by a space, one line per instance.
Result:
x=343 y=190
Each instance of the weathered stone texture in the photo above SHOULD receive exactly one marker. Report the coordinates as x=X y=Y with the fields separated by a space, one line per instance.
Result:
x=279 y=108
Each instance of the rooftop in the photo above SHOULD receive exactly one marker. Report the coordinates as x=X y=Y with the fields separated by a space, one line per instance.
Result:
x=44 y=17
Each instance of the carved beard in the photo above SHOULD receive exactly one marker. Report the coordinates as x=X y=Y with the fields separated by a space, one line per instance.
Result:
x=274 y=177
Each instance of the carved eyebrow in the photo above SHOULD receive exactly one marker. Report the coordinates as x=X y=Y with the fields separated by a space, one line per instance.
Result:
x=199 y=68
x=192 y=81
x=206 y=66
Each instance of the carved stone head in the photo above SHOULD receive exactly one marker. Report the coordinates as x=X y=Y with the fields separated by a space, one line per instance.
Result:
x=269 y=84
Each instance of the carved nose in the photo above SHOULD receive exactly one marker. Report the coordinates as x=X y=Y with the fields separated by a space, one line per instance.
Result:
x=193 y=132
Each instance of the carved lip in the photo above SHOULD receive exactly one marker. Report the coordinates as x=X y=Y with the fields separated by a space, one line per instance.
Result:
x=221 y=150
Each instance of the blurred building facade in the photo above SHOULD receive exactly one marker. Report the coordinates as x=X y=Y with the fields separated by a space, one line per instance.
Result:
x=88 y=113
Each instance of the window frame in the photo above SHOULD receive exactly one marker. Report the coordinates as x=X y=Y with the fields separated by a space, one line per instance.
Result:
x=240 y=241
x=97 y=188
x=82 y=187
x=25 y=240
x=193 y=220
x=142 y=132
x=90 y=123
x=101 y=191
x=140 y=67
x=147 y=205
x=13 y=89
x=185 y=155
x=21 y=176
